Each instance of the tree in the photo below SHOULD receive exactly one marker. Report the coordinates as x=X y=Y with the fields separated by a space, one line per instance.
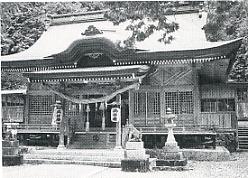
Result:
x=145 y=16
x=13 y=80
x=229 y=20
x=23 y=23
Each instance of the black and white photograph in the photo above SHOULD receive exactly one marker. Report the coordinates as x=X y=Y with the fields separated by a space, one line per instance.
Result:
x=124 y=89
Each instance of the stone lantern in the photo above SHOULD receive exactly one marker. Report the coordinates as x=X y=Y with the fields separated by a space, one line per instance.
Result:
x=169 y=124
x=171 y=154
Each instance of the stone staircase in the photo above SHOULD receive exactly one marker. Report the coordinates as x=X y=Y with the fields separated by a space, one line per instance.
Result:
x=104 y=157
x=243 y=138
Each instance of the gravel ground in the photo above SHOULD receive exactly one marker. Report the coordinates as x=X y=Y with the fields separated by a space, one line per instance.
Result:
x=237 y=167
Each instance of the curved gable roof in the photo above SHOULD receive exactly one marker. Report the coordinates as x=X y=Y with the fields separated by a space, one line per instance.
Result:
x=64 y=44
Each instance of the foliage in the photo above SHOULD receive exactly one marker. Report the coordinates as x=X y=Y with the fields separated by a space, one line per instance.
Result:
x=145 y=16
x=226 y=21
x=22 y=23
x=21 y=26
x=12 y=81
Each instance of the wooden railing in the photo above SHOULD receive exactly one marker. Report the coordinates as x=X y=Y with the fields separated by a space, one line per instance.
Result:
x=107 y=129
x=49 y=127
x=217 y=120
x=38 y=127
x=186 y=129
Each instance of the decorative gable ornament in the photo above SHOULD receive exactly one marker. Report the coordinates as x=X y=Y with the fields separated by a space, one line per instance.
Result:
x=94 y=55
x=91 y=31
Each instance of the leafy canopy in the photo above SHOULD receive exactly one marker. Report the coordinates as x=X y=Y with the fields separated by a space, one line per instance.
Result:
x=22 y=23
x=228 y=20
x=146 y=17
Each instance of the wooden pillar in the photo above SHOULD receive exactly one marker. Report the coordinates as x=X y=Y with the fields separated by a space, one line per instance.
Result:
x=26 y=105
x=131 y=107
x=118 y=126
x=102 y=109
x=61 y=133
x=196 y=94
x=103 y=118
x=61 y=145
x=87 y=124
x=80 y=123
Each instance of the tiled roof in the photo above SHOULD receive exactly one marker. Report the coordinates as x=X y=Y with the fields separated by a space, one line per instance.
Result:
x=59 y=38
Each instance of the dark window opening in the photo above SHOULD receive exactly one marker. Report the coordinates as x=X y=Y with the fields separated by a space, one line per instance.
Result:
x=217 y=105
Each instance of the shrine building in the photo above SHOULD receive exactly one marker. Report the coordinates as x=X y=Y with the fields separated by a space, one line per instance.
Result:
x=79 y=64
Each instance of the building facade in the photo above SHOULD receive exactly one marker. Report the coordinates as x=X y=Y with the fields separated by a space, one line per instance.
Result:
x=81 y=66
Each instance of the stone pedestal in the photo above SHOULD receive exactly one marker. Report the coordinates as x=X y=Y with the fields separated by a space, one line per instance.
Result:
x=171 y=154
x=61 y=147
x=135 y=150
x=135 y=158
x=134 y=165
x=171 y=151
x=10 y=153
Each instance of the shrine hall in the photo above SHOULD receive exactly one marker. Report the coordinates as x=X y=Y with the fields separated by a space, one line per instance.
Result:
x=80 y=65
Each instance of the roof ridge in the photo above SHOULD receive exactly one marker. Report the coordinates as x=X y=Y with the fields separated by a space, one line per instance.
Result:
x=81 y=17
x=53 y=16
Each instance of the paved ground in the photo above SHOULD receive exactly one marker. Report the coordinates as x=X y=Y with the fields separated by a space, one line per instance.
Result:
x=237 y=167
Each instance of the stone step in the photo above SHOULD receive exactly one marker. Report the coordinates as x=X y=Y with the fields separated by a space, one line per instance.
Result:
x=218 y=154
x=103 y=157
x=73 y=157
x=243 y=134
x=242 y=131
x=244 y=143
x=243 y=128
x=79 y=152
x=242 y=149
x=94 y=163
x=242 y=138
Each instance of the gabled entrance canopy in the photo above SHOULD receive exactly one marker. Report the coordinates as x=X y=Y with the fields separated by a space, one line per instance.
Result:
x=91 y=75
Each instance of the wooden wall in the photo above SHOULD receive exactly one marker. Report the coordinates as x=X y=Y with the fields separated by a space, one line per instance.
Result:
x=176 y=80
x=218 y=119
x=12 y=114
x=218 y=91
x=183 y=79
